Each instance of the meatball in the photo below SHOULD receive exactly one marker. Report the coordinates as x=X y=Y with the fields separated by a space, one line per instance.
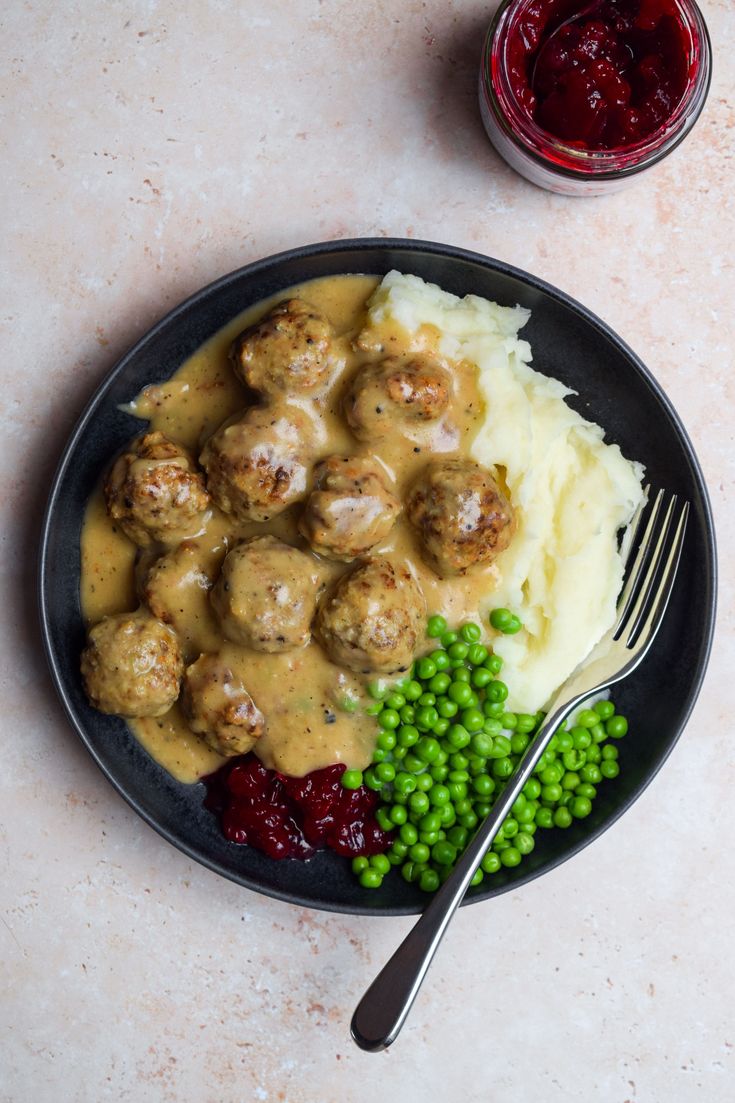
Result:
x=462 y=516
x=287 y=350
x=393 y=391
x=266 y=595
x=176 y=586
x=155 y=492
x=219 y=708
x=132 y=665
x=258 y=466
x=372 y=620
x=350 y=508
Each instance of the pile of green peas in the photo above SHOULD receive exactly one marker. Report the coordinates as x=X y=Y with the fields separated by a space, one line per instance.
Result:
x=445 y=748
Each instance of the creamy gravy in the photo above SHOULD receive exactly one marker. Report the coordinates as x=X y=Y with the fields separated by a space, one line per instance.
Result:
x=300 y=692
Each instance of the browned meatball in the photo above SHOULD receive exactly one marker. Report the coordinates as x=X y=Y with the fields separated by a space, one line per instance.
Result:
x=288 y=350
x=258 y=466
x=176 y=586
x=155 y=493
x=461 y=514
x=132 y=665
x=371 y=621
x=266 y=595
x=394 y=391
x=350 y=508
x=219 y=708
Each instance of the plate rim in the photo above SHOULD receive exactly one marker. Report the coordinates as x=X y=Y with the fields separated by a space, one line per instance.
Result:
x=376 y=244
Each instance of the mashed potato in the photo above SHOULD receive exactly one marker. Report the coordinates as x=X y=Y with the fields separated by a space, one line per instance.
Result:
x=571 y=491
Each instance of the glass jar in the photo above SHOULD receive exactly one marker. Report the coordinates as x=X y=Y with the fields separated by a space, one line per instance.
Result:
x=564 y=166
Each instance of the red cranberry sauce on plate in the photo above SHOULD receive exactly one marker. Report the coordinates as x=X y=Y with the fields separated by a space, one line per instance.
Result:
x=608 y=79
x=291 y=817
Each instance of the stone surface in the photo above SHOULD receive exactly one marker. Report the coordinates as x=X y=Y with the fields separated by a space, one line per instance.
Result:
x=149 y=147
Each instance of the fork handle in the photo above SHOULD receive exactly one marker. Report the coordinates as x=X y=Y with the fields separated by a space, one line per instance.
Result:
x=382 y=1011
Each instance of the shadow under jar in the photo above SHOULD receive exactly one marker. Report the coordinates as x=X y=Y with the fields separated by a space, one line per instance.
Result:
x=585 y=110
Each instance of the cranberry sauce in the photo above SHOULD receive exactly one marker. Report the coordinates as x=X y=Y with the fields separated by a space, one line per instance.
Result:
x=607 y=80
x=290 y=817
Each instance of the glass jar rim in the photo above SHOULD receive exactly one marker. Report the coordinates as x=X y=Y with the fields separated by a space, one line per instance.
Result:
x=572 y=160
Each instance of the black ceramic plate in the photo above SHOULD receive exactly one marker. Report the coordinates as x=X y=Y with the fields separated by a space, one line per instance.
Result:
x=568 y=342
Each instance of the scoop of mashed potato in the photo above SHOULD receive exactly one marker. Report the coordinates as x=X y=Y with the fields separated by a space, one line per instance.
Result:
x=571 y=492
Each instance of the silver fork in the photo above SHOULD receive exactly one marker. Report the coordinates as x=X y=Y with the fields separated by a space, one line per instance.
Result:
x=650 y=570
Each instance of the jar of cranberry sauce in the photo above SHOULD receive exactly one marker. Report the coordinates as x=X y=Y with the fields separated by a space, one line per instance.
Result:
x=585 y=110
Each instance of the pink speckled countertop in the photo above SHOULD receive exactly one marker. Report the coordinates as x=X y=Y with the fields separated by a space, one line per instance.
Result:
x=149 y=147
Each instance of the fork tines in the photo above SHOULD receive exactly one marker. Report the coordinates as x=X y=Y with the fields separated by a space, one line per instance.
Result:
x=650 y=569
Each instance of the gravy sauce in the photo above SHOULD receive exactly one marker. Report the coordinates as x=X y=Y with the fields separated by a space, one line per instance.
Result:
x=301 y=693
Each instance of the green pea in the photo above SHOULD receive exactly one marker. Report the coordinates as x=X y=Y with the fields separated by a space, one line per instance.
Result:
x=482 y=745
x=585 y=789
x=500 y=619
x=371 y=878
x=573 y=760
x=502 y=768
x=510 y=827
x=590 y=773
x=609 y=751
x=408 y=834
x=472 y=720
x=562 y=817
x=457 y=790
x=447 y=709
x=458 y=837
x=413 y=764
x=609 y=768
x=581 y=738
x=519 y=742
x=449 y=638
x=371 y=779
x=460 y=693
x=458 y=650
x=359 y=864
x=502 y=747
x=440 y=660
x=551 y=792
x=514 y=626
x=458 y=737
x=544 y=817
x=587 y=718
x=564 y=742
x=510 y=857
x=419 y=852
x=477 y=878
x=570 y=780
x=483 y=785
x=430 y=822
x=494 y=664
x=551 y=774
x=426 y=717
x=389 y=718
x=439 y=772
x=477 y=654
x=459 y=761
x=386 y=740
x=491 y=862
x=377 y=689
x=407 y=871
x=443 y=853
x=616 y=727
x=497 y=691
x=440 y=682
x=593 y=755
x=462 y=674
x=379 y=754
x=470 y=632
x=509 y=720
x=429 y=880
x=398 y=814
x=374 y=708
x=407 y=735
x=447 y=814
x=436 y=626
x=404 y=783
x=468 y=820
x=480 y=677
x=383 y=819
x=439 y=795
x=493 y=710
x=598 y=733
x=425 y=669
x=580 y=807
x=424 y=782
x=352 y=779
x=386 y=771
x=605 y=709
x=427 y=700
x=525 y=723
x=418 y=802
x=412 y=690
x=427 y=748
x=524 y=842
